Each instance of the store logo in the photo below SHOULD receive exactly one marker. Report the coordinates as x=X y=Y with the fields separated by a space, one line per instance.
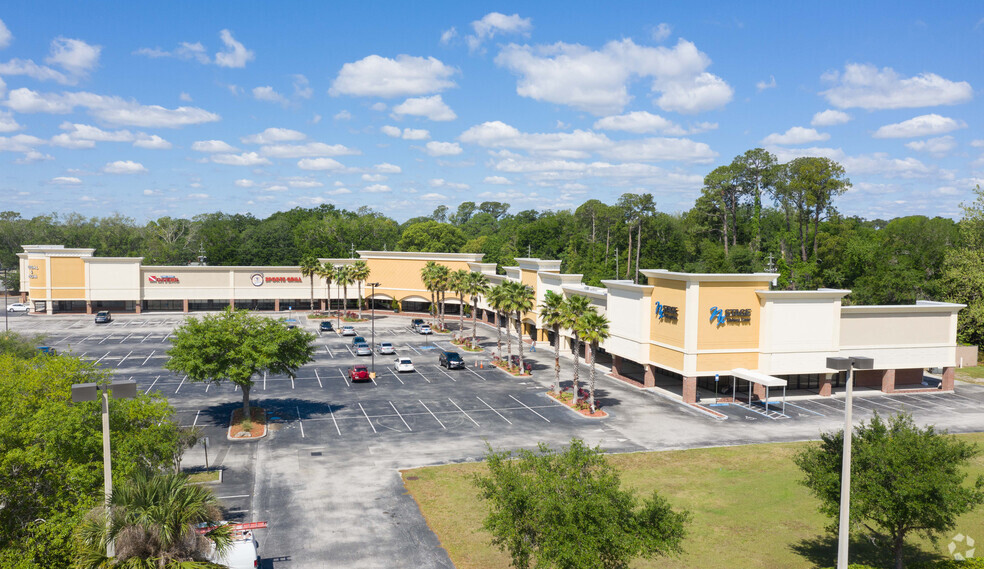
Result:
x=664 y=312
x=961 y=541
x=165 y=279
x=730 y=315
x=256 y=279
x=284 y=279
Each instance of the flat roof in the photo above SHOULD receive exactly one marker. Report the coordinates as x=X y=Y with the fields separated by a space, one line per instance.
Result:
x=758 y=377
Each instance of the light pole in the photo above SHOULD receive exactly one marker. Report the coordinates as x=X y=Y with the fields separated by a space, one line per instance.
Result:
x=843 y=533
x=125 y=389
x=6 y=322
x=372 y=324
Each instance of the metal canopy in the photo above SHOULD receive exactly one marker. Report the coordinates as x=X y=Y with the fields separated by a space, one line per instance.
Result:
x=758 y=377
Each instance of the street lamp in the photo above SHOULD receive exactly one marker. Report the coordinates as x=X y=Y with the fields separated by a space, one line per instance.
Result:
x=124 y=389
x=843 y=534
x=372 y=317
x=6 y=323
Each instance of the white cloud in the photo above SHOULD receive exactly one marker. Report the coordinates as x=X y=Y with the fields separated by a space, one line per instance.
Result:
x=66 y=180
x=924 y=125
x=597 y=81
x=19 y=143
x=661 y=31
x=380 y=106
x=5 y=36
x=830 y=117
x=88 y=132
x=448 y=35
x=303 y=182
x=319 y=164
x=114 y=110
x=66 y=141
x=432 y=196
x=977 y=143
x=796 y=135
x=377 y=189
x=376 y=76
x=244 y=183
x=271 y=135
x=660 y=149
x=416 y=134
x=268 y=94
x=306 y=150
x=198 y=196
x=276 y=188
x=74 y=56
x=243 y=159
x=390 y=130
x=150 y=192
x=373 y=178
x=343 y=116
x=935 y=146
x=639 y=122
x=213 y=146
x=39 y=72
x=493 y=24
x=184 y=97
x=763 y=85
x=8 y=123
x=235 y=54
x=339 y=192
x=3 y=88
x=151 y=142
x=435 y=148
x=124 y=167
x=497 y=134
x=865 y=86
x=196 y=51
x=387 y=168
x=433 y=108
x=442 y=183
x=881 y=164
x=498 y=180
x=302 y=87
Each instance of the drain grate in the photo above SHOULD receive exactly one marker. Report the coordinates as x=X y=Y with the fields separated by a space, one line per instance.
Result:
x=316 y=453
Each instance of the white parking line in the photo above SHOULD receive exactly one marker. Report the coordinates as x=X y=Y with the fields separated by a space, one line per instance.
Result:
x=345 y=379
x=299 y=420
x=350 y=351
x=463 y=412
x=104 y=339
x=127 y=336
x=476 y=373
x=292 y=382
x=145 y=338
x=530 y=408
x=397 y=376
x=152 y=385
x=446 y=373
x=196 y=417
x=493 y=410
x=319 y=379
x=264 y=381
x=332 y=413
x=329 y=352
x=401 y=416
x=433 y=415
x=86 y=338
x=148 y=357
x=104 y=355
x=367 y=418
x=166 y=336
x=907 y=402
x=231 y=497
x=124 y=359
x=412 y=348
x=182 y=383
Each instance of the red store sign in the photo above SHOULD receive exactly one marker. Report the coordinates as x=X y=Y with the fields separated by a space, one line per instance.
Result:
x=165 y=279
x=284 y=280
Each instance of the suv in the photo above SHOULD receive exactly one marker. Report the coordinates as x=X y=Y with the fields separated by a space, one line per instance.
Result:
x=103 y=317
x=451 y=360
x=415 y=324
x=326 y=326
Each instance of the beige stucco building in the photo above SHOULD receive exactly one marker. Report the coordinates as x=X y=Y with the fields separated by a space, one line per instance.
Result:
x=685 y=327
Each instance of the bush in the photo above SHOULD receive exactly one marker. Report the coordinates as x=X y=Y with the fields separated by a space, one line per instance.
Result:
x=246 y=425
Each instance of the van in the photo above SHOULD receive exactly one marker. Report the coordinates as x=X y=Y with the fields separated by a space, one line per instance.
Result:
x=451 y=360
x=242 y=552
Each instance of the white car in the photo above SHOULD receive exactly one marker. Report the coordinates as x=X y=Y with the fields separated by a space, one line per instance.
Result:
x=424 y=329
x=404 y=364
x=19 y=307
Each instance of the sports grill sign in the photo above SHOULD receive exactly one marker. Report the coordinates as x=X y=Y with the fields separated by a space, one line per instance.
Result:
x=259 y=278
x=163 y=279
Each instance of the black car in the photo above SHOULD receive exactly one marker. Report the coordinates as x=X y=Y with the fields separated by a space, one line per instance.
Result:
x=326 y=326
x=103 y=317
x=451 y=360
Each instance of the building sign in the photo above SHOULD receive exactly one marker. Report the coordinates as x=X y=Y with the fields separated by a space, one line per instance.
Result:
x=284 y=280
x=664 y=312
x=164 y=279
x=730 y=315
x=31 y=274
x=256 y=279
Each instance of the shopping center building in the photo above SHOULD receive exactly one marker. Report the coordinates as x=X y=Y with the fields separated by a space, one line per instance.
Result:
x=689 y=329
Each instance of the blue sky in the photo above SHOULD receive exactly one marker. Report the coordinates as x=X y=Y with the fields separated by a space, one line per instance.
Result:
x=179 y=108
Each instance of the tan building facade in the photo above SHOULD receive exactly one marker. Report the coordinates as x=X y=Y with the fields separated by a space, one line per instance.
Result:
x=684 y=327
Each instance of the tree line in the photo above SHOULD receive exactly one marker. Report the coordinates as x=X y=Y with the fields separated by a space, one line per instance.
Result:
x=753 y=214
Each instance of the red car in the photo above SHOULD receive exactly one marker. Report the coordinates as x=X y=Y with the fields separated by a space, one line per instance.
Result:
x=359 y=373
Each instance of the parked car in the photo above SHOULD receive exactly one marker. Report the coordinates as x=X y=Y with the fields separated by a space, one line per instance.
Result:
x=451 y=360
x=103 y=317
x=363 y=349
x=359 y=373
x=415 y=324
x=291 y=323
x=424 y=329
x=358 y=340
x=242 y=552
x=348 y=330
x=19 y=307
x=404 y=364
x=385 y=348
x=527 y=364
x=326 y=326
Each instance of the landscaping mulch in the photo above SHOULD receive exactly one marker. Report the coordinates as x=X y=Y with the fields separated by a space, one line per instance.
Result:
x=257 y=415
x=566 y=397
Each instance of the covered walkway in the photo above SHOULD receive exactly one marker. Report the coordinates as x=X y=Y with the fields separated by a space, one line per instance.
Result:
x=759 y=385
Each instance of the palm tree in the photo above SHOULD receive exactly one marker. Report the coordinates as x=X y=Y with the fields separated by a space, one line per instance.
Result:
x=360 y=273
x=593 y=328
x=574 y=308
x=344 y=277
x=496 y=299
x=152 y=525
x=552 y=314
x=327 y=272
x=477 y=284
x=309 y=268
x=458 y=282
x=442 y=276
x=428 y=276
x=521 y=299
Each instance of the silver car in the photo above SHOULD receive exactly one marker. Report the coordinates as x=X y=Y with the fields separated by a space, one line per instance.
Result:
x=348 y=330
x=363 y=350
x=385 y=348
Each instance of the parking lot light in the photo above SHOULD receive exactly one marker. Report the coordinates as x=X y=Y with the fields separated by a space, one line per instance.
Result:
x=6 y=322
x=847 y=364
x=372 y=325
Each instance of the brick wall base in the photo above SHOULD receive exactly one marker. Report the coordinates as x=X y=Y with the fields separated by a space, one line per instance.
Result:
x=690 y=390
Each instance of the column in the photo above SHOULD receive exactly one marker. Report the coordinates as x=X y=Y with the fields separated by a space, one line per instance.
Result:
x=232 y=303
x=758 y=390
x=888 y=381
x=650 y=378
x=88 y=307
x=322 y=305
x=138 y=306
x=826 y=386
x=184 y=305
x=276 y=305
x=690 y=390
x=948 y=375
x=616 y=365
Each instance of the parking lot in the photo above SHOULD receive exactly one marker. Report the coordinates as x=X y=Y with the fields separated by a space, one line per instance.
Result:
x=332 y=458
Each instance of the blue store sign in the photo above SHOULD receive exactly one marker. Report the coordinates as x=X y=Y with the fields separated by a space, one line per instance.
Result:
x=730 y=315
x=664 y=312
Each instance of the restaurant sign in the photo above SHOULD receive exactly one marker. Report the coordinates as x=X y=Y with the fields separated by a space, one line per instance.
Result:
x=163 y=279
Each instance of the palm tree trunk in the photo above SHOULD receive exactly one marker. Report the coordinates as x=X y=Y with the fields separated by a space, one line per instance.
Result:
x=577 y=367
x=461 y=311
x=434 y=306
x=508 y=341
x=591 y=381
x=498 y=334
x=475 y=322
x=329 y=297
x=312 y=292
x=556 y=331
x=360 y=300
x=519 y=334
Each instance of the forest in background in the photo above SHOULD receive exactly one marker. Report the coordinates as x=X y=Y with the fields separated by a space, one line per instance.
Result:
x=753 y=214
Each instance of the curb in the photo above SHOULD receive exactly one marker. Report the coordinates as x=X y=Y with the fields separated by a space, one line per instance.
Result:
x=266 y=430
x=575 y=411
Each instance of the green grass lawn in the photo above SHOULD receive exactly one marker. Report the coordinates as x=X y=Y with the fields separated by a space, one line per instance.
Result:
x=972 y=374
x=749 y=511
